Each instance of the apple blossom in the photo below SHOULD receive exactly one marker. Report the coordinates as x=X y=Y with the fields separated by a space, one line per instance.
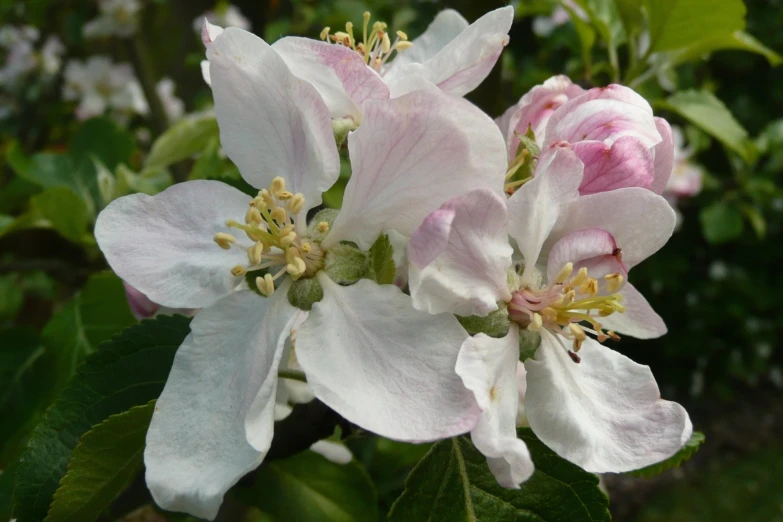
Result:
x=686 y=178
x=612 y=130
x=116 y=18
x=591 y=405
x=98 y=85
x=174 y=107
x=366 y=352
x=451 y=55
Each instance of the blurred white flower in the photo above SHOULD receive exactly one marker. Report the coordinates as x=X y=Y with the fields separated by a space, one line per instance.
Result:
x=544 y=25
x=224 y=15
x=173 y=106
x=117 y=18
x=99 y=85
x=686 y=178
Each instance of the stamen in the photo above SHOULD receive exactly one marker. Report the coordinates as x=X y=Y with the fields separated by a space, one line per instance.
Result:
x=266 y=285
x=224 y=240
x=325 y=33
x=323 y=227
x=277 y=186
x=238 y=271
x=564 y=273
x=613 y=282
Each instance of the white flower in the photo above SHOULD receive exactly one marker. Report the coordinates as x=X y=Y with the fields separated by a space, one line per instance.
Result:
x=173 y=106
x=224 y=16
x=99 y=85
x=450 y=55
x=22 y=59
x=367 y=353
x=116 y=18
x=596 y=408
x=686 y=178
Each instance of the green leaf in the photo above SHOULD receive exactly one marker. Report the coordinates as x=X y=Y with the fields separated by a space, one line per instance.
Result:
x=452 y=482
x=65 y=211
x=586 y=35
x=674 y=24
x=187 y=137
x=605 y=17
x=17 y=160
x=631 y=14
x=209 y=162
x=104 y=140
x=721 y=222
x=309 y=488
x=756 y=219
x=707 y=112
x=149 y=181
x=687 y=451
x=130 y=370
x=104 y=462
x=738 y=40
x=382 y=261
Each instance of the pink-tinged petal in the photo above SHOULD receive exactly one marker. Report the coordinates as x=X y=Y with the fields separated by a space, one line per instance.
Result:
x=409 y=156
x=163 y=245
x=640 y=221
x=460 y=256
x=488 y=368
x=140 y=305
x=534 y=110
x=271 y=123
x=338 y=73
x=209 y=32
x=593 y=248
x=383 y=365
x=605 y=413
x=197 y=446
x=537 y=206
x=625 y=163
x=604 y=114
x=639 y=319
x=463 y=63
x=664 y=157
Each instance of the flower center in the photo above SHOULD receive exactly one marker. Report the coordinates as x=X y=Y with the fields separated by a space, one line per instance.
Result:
x=375 y=48
x=269 y=223
x=568 y=301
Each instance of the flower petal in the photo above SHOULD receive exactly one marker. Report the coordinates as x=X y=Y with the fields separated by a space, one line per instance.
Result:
x=664 y=157
x=460 y=256
x=271 y=123
x=196 y=444
x=592 y=248
x=639 y=319
x=488 y=368
x=381 y=364
x=625 y=163
x=409 y=156
x=338 y=73
x=447 y=25
x=463 y=63
x=640 y=221
x=535 y=208
x=604 y=414
x=604 y=114
x=163 y=245
x=209 y=32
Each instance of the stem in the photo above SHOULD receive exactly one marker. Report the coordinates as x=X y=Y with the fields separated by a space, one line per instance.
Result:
x=141 y=64
x=635 y=71
x=615 y=62
x=294 y=375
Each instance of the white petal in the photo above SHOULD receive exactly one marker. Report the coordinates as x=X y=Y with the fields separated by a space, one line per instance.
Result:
x=209 y=32
x=383 y=365
x=460 y=256
x=333 y=451
x=409 y=156
x=463 y=63
x=338 y=73
x=271 y=123
x=640 y=221
x=664 y=157
x=163 y=244
x=535 y=208
x=604 y=414
x=205 y=72
x=196 y=444
x=488 y=368
x=447 y=25
x=639 y=319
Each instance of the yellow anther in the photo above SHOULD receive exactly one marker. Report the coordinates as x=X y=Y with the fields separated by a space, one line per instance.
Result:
x=297 y=268
x=549 y=315
x=238 y=271
x=589 y=286
x=325 y=33
x=253 y=216
x=323 y=226
x=279 y=214
x=385 y=43
x=277 y=186
x=284 y=195
x=613 y=335
x=266 y=285
x=266 y=197
x=349 y=30
x=536 y=323
x=224 y=240
x=342 y=38
x=579 y=278
x=366 y=16
x=297 y=203
x=287 y=240
x=402 y=36
x=613 y=282
x=564 y=273
x=255 y=252
x=305 y=248
x=401 y=46
x=286 y=230
x=290 y=254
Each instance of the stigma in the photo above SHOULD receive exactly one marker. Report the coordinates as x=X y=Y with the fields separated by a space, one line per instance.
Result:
x=570 y=306
x=375 y=47
x=277 y=248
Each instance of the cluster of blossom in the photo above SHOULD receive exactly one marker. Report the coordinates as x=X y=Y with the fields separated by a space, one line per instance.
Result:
x=22 y=60
x=509 y=236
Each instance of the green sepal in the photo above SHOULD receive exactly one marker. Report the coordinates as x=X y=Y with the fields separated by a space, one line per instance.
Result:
x=304 y=292
x=327 y=215
x=382 y=267
x=528 y=344
x=345 y=264
x=496 y=324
